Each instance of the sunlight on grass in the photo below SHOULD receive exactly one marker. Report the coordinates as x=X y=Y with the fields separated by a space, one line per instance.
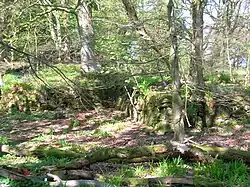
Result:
x=140 y=171
x=71 y=71
x=101 y=133
x=235 y=172
x=31 y=117
x=112 y=127
x=42 y=138
x=11 y=160
x=170 y=167
x=4 y=140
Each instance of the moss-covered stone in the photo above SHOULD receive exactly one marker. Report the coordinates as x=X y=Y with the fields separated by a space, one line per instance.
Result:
x=154 y=110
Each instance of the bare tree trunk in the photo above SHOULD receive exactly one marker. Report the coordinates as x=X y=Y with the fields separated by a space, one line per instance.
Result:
x=229 y=60
x=55 y=27
x=231 y=19
x=197 y=58
x=65 y=28
x=86 y=33
x=247 y=77
x=56 y=33
x=177 y=103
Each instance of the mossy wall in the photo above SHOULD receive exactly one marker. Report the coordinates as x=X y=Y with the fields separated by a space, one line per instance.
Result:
x=84 y=91
x=154 y=110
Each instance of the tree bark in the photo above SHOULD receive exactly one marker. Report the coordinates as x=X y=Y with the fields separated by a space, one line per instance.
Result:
x=197 y=57
x=178 y=123
x=86 y=34
x=55 y=27
x=177 y=103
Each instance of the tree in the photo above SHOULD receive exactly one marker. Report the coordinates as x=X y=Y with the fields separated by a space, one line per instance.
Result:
x=177 y=103
x=85 y=29
x=196 y=68
x=55 y=26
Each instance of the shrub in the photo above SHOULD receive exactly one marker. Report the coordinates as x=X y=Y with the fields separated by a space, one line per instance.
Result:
x=21 y=97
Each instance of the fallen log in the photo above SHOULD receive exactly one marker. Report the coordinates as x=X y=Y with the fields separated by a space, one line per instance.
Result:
x=189 y=152
x=148 y=153
x=224 y=153
x=75 y=183
x=15 y=176
x=73 y=174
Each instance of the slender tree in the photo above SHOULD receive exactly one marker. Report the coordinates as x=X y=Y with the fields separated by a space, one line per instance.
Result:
x=197 y=56
x=86 y=33
x=177 y=103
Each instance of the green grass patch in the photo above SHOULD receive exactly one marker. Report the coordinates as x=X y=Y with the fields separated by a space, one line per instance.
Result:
x=173 y=167
x=234 y=173
x=31 y=117
x=101 y=133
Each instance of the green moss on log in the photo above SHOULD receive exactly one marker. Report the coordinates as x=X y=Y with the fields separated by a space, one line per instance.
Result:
x=225 y=153
x=54 y=152
x=104 y=154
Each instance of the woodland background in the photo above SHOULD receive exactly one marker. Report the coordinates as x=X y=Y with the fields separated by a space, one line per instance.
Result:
x=162 y=85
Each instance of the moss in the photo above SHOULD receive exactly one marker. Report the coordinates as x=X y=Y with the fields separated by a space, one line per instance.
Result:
x=54 y=152
x=154 y=110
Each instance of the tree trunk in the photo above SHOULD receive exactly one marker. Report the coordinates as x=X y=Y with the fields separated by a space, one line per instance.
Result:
x=55 y=27
x=86 y=33
x=56 y=33
x=177 y=103
x=65 y=28
x=197 y=57
x=178 y=123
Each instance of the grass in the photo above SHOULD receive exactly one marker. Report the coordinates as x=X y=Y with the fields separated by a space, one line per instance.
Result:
x=3 y=140
x=100 y=133
x=234 y=173
x=33 y=164
x=21 y=116
x=41 y=137
x=174 y=167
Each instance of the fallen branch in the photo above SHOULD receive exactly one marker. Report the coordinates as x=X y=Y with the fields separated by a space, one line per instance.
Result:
x=74 y=183
x=190 y=152
x=149 y=153
x=224 y=153
x=15 y=176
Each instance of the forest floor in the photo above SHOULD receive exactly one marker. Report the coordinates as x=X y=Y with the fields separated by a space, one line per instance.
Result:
x=101 y=128
x=110 y=128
